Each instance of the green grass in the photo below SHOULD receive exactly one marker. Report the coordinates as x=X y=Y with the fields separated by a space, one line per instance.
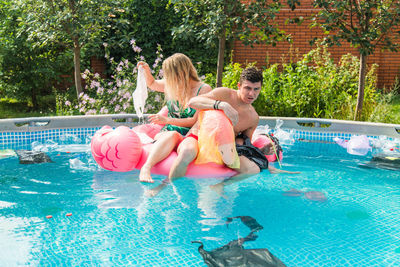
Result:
x=11 y=108
x=8 y=114
x=396 y=109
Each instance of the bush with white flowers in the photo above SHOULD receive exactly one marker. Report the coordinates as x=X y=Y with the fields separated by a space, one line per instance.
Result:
x=114 y=94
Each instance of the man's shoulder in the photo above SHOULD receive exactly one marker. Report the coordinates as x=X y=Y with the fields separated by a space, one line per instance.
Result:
x=223 y=93
x=223 y=89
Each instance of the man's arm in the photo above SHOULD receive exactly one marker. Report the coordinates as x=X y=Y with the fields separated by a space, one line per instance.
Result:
x=210 y=101
x=250 y=131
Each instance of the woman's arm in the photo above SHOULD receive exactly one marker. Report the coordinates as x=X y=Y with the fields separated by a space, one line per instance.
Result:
x=153 y=84
x=185 y=122
x=207 y=101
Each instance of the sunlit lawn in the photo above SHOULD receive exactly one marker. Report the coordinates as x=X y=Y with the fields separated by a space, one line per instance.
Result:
x=15 y=109
x=396 y=109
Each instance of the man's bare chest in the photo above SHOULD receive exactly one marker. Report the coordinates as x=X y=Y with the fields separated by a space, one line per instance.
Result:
x=246 y=121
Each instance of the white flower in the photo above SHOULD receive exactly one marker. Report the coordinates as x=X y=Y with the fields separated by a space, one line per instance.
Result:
x=85 y=97
x=127 y=95
x=94 y=84
x=104 y=110
x=119 y=83
x=91 y=112
x=100 y=90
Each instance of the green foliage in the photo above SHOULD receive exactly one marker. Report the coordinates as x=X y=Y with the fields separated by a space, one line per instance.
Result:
x=367 y=25
x=231 y=75
x=27 y=72
x=62 y=21
x=36 y=39
x=217 y=21
x=207 y=20
x=150 y=23
x=315 y=87
x=14 y=108
x=395 y=107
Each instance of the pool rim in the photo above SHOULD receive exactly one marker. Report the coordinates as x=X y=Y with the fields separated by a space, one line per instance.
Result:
x=32 y=124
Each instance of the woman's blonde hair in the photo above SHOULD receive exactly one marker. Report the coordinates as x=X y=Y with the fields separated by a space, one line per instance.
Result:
x=178 y=71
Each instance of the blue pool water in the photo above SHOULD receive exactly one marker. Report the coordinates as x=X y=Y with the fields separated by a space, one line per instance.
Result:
x=112 y=223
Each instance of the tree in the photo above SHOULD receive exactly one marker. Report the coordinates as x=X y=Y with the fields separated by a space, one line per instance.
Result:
x=366 y=25
x=213 y=21
x=69 y=23
x=150 y=23
x=26 y=72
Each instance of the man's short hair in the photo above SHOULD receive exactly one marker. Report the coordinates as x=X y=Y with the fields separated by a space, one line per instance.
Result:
x=252 y=74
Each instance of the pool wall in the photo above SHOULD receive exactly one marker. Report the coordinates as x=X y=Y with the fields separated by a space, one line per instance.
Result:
x=17 y=133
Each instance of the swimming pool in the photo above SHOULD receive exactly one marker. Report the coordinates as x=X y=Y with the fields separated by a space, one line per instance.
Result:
x=335 y=213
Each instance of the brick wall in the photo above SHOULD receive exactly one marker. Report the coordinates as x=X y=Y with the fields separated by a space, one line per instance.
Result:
x=389 y=62
x=98 y=66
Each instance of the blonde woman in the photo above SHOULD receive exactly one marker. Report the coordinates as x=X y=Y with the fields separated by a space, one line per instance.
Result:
x=180 y=84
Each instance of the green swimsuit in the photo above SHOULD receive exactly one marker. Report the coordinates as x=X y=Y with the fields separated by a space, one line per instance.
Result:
x=175 y=111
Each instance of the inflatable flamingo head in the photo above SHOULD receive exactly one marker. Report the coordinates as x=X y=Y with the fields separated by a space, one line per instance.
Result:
x=263 y=142
x=116 y=150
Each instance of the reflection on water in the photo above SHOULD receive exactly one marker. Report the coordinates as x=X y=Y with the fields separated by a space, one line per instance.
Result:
x=118 y=189
x=18 y=246
x=352 y=217
x=214 y=208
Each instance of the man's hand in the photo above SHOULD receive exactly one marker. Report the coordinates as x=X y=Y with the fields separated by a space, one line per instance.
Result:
x=230 y=112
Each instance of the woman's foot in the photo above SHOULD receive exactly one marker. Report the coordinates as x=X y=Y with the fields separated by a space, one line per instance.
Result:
x=155 y=191
x=145 y=175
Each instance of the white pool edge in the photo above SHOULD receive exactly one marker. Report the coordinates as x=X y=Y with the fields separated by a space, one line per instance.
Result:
x=33 y=124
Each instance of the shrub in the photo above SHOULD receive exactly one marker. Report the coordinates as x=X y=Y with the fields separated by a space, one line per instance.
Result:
x=114 y=95
x=315 y=87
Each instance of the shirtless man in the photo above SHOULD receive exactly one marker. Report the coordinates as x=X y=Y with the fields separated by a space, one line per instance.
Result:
x=237 y=106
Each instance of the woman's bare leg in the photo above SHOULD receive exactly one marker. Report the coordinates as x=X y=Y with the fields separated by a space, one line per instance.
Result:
x=165 y=143
x=247 y=169
x=187 y=152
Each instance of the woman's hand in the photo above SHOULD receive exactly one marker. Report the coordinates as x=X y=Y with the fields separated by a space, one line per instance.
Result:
x=155 y=85
x=143 y=64
x=158 y=119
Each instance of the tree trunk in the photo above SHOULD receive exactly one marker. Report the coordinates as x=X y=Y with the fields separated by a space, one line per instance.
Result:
x=221 y=54
x=77 y=66
x=361 y=86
